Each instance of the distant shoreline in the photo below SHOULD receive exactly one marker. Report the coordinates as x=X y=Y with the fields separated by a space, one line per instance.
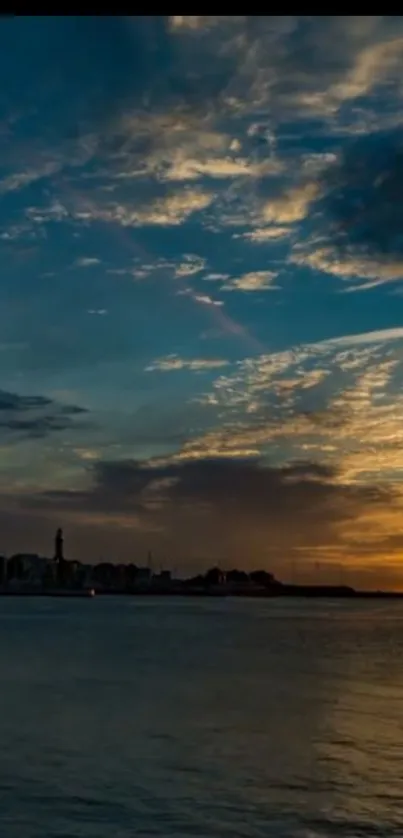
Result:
x=298 y=594
x=288 y=592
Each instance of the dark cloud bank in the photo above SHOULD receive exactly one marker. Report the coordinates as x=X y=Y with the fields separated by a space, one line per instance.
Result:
x=360 y=212
x=234 y=511
x=35 y=416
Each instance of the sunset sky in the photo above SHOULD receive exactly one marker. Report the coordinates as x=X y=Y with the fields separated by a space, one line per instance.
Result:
x=201 y=294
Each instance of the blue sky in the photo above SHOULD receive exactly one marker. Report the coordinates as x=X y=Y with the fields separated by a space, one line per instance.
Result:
x=201 y=310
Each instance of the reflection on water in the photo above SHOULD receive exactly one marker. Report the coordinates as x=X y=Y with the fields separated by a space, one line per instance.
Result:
x=123 y=717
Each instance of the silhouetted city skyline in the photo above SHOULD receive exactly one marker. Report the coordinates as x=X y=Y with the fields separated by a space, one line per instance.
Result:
x=30 y=574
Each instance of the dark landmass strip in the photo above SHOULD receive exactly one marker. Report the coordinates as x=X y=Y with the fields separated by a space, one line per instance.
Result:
x=32 y=575
x=288 y=591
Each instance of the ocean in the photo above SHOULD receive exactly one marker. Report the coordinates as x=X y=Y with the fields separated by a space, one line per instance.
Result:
x=200 y=717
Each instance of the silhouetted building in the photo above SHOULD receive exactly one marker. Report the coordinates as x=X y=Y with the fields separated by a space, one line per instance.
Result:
x=26 y=570
x=162 y=579
x=143 y=576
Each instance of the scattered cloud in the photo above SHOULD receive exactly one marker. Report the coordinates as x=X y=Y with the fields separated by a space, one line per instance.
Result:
x=254 y=281
x=19 y=180
x=373 y=64
x=173 y=362
x=168 y=211
x=293 y=205
x=335 y=399
x=261 y=235
x=353 y=267
x=191 y=265
x=217 y=168
x=206 y=300
x=87 y=262
x=192 y=22
x=174 y=209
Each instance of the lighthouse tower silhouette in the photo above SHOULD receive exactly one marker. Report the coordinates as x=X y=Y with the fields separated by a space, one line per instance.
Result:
x=59 y=557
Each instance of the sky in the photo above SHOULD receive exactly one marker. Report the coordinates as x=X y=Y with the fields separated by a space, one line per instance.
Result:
x=201 y=293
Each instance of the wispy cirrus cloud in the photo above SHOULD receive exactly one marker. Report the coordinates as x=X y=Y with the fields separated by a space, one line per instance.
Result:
x=366 y=338
x=182 y=168
x=170 y=210
x=174 y=362
x=205 y=299
x=365 y=272
x=262 y=235
x=335 y=399
x=167 y=211
x=19 y=180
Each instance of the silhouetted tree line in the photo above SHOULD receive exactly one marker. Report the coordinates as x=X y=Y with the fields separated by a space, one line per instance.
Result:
x=215 y=576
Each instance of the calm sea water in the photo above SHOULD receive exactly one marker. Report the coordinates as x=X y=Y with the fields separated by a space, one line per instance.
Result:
x=123 y=717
